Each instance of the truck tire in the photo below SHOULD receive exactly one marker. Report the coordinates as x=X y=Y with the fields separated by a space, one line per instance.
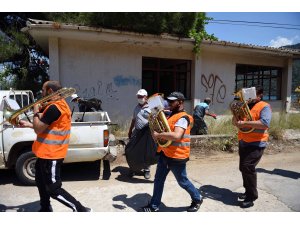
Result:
x=25 y=168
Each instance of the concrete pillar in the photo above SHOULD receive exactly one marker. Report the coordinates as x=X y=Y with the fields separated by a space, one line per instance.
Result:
x=289 y=84
x=54 y=59
x=196 y=81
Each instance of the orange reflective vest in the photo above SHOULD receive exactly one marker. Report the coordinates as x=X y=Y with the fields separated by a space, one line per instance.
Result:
x=257 y=134
x=178 y=149
x=54 y=141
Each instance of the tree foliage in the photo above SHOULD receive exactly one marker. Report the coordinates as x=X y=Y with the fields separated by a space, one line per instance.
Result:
x=26 y=66
x=188 y=24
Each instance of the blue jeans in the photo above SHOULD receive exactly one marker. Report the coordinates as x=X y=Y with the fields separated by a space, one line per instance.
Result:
x=179 y=171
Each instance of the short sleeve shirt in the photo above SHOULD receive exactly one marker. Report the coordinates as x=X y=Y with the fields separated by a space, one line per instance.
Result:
x=182 y=122
x=52 y=114
x=141 y=114
x=200 y=109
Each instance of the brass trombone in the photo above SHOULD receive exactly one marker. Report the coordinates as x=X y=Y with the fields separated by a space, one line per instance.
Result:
x=12 y=116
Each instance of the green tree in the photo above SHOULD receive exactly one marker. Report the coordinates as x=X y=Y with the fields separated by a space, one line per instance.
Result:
x=23 y=63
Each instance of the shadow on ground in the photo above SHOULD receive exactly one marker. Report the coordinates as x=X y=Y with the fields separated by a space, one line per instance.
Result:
x=124 y=176
x=280 y=172
x=137 y=201
x=219 y=194
x=69 y=172
x=28 y=207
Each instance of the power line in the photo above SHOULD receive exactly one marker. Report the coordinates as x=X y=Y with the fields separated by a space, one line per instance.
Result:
x=252 y=25
x=244 y=21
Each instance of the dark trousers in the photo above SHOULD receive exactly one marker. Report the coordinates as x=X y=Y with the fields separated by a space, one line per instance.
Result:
x=249 y=158
x=48 y=181
x=199 y=126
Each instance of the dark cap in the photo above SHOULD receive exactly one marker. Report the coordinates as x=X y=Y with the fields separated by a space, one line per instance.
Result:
x=176 y=96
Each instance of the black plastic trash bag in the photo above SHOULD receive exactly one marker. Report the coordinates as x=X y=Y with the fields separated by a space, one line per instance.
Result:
x=141 y=150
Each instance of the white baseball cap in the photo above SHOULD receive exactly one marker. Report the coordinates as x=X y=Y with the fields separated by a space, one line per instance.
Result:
x=73 y=97
x=142 y=92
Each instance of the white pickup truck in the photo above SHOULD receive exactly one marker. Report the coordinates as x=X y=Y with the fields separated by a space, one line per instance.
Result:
x=90 y=139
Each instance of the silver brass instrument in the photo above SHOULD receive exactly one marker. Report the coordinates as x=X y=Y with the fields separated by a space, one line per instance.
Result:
x=240 y=110
x=157 y=119
x=12 y=116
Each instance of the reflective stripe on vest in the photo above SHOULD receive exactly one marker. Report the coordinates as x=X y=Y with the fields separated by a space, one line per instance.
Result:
x=178 y=149
x=174 y=143
x=56 y=132
x=54 y=141
x=257 y=134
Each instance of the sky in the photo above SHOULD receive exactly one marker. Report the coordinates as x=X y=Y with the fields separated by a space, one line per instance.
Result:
x=257 y=35
x=280 y=12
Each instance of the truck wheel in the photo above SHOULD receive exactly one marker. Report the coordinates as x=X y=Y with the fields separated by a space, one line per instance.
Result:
x=25 y=168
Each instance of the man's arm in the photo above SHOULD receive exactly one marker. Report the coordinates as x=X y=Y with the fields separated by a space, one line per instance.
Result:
x=131 y=127
x=210 y=114
x=37 y=125
x=173 y=136
x=180 y=127
x=263 y=122
x=41 y=123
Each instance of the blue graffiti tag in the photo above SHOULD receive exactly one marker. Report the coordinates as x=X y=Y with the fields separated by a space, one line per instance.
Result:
x=120 y=80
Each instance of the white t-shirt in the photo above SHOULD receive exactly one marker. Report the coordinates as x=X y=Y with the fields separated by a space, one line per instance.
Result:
x=182 y=122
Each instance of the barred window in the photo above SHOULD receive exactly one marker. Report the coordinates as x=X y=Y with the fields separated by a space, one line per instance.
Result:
x=269 y=78
x=166 y=75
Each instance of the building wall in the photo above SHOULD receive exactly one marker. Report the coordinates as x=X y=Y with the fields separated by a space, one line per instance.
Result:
x=110 y=72
x=216 y=78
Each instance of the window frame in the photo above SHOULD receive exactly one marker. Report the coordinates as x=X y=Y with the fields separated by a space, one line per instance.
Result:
x=178 y=71
x=260 y=75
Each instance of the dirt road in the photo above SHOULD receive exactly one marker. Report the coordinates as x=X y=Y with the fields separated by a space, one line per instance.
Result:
x=217 y=177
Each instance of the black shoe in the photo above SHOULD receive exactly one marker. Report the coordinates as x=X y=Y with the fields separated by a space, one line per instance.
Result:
x=194 y=207
x=147 y=174
x=88 y=209
x=46 y=209
x=242 y=196
x=247 y=204
x=149 y=208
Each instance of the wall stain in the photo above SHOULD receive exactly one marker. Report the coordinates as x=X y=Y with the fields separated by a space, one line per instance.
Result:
x=121 y=80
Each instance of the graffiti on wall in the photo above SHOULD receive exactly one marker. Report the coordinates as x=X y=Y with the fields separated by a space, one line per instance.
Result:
x=214 y=87
x=121 y=80
x=105 y=92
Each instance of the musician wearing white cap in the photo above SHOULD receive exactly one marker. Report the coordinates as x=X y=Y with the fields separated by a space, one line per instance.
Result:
x=140 y=120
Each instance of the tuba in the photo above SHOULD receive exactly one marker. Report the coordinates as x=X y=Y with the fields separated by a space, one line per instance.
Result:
x=12 y=116
x=157 y=119
x=239 y=106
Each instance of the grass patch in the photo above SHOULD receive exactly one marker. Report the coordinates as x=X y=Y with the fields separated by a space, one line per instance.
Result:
x=283 y=121
x=223 y=126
